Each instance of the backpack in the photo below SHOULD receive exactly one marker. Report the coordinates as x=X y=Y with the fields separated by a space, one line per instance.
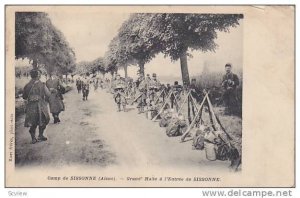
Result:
x=173 y=130
x=198 y=141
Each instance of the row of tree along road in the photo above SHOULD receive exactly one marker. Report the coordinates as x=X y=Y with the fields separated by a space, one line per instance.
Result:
x=139 y=39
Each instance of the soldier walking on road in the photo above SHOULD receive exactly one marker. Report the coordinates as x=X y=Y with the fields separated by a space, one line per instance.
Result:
x=56 y=99
x=230 y=83
x=85 y=88
x=78 y=85
x=36 y=93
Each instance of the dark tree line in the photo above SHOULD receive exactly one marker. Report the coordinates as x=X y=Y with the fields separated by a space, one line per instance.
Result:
x=38 y=40
x=144 y=35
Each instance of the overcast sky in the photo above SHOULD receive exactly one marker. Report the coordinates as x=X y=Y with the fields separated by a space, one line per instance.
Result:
x=89 y=34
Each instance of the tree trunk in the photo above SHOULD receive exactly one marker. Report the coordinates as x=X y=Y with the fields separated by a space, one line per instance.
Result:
x=125 y=71
x=112 y=74
x=184 y=69
x=34 y=64
x=142 y=68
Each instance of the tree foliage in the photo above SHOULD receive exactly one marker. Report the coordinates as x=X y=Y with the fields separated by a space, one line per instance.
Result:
x=42 y=43
x=144 y=35
x=91 y=67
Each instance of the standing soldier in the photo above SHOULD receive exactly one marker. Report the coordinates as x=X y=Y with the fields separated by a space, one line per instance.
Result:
x=119 y=91
x=230 y=83
x=195 y=91
x=177 y=89
x=85 y=88
x=142 y=87
x=96 y=84
x=154 y=87
x=56 y=99
x=78 y=85
x=36 y=93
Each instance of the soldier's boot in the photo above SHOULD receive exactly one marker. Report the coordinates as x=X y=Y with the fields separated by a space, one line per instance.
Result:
x=119 y=107
x=41 y=134
x=124 y=108
x=32 y=134
x=58 y=120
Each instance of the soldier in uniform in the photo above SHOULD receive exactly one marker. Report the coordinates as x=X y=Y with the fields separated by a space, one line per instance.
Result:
x=36 y=93
x=195 y=91
x=56 y=99
x=85 y=88
x=177 y=89
x=154 y=87
x=78 y=85
x=230 y=83
x=142 y=87
x=119 y=91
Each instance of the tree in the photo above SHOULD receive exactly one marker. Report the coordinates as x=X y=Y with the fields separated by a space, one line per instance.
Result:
x=179 y=33
x=42 y=43
x=91 y=67
x=136 y=44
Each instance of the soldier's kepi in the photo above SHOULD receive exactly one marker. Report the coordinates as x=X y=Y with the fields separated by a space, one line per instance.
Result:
x=119 y=91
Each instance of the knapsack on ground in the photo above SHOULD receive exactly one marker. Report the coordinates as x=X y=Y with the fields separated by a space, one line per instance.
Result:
x=198 y=141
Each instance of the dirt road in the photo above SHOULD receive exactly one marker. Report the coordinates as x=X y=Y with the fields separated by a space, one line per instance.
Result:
x=93 y=133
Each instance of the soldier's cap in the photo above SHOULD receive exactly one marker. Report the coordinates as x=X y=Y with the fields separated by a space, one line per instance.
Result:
x=228 y=65
x=154 y=75
x=148 y=75
x=194 y=79
x=176 y=83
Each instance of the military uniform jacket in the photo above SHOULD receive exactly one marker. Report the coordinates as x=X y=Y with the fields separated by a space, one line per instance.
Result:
x=142 y=86
x=119 y=84
x=36 y=94
x=55 y=100
x=154 y=84
x=230 y=80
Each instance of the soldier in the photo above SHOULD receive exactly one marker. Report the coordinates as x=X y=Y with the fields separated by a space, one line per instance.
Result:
x=142 y=87
x=229 y=83
x=195 y=91
x=78 y=85
x=85 y=88
x=35 y=93
x=56 y=99
x=154 y=87
x=119 y=91
x=177 y=89
x=96 y=84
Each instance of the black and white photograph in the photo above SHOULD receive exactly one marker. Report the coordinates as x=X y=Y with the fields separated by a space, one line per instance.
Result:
x=112 y=96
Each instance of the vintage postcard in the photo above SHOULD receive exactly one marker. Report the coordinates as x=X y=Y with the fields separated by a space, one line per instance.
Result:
x=150 y=96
